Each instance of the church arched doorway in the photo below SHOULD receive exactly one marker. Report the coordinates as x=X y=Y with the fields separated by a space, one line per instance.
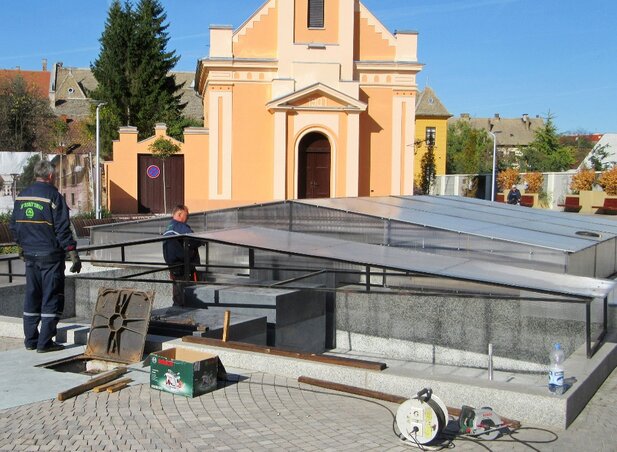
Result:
x=314 y=154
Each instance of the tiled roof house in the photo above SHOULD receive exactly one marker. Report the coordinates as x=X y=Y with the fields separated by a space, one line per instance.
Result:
x=70 y=89
x=39 y=80
x=512 y=133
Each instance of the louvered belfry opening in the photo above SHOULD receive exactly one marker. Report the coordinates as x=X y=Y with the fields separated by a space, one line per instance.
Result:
x=316 y=13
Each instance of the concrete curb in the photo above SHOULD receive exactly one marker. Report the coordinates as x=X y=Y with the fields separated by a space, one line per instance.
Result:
x=531 y=404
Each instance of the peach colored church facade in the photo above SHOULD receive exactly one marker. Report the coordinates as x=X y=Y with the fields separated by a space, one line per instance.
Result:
x=308 y=98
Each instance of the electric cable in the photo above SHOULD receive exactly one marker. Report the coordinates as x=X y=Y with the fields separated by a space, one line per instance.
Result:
x=446 y=434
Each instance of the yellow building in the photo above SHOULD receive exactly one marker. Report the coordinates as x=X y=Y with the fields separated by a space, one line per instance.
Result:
x=308 y=98
x=431 y=126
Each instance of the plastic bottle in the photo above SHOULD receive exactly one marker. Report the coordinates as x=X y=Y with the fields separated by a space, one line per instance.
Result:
x=555 y=371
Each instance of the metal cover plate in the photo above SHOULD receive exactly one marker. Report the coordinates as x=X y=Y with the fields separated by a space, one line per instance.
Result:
x=119 y=325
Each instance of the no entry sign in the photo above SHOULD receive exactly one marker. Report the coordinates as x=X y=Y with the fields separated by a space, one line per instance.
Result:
x=153 y=171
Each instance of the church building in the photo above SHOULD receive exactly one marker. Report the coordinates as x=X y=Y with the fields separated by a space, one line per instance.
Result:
x=306 y=99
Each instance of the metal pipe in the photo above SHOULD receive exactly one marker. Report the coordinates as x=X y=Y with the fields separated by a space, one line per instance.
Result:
x=493 y=171
x=97 y=179
x=490 y=362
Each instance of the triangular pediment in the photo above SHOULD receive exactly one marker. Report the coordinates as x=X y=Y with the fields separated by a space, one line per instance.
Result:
x=69 y=88
x=317 y=97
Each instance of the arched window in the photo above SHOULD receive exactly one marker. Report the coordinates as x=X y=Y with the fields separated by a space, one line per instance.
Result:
x=316 y=13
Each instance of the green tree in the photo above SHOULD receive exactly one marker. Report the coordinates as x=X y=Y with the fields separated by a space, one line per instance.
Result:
x=175 y=129
x=469 y=150
x=27 y=174
x=113 y=74
x=546 y=153
x=132 y=71
x=25 y=117
x=428 y=169
x=598 y=156
x=156 y=94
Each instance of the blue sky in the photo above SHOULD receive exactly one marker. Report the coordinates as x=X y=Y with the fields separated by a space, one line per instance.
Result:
x=481 y=56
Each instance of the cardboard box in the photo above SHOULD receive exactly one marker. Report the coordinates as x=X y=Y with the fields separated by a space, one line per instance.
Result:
x=184 y=372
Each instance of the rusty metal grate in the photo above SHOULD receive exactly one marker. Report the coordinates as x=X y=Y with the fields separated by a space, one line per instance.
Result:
x=119 y=325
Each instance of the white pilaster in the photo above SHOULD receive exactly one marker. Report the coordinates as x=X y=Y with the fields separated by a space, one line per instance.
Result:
x=280 y=155
x=397 y=146
x=285 y=35
x=220 y=144
x=353 y=154
x=407 y=148
x=346 y=38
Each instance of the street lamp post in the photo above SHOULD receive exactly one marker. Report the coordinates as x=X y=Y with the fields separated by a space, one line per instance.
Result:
x=493 y=171
x=97 y=178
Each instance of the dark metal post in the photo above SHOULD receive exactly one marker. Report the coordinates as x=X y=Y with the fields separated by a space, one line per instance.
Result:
x=588 y=328
x=187 y=262
x=207 y=247
x=251 y=258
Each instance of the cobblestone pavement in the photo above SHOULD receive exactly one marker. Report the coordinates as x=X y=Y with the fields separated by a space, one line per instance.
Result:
x=256 y=412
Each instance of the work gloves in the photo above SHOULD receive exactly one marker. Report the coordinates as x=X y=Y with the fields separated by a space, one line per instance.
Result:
x=76 y=267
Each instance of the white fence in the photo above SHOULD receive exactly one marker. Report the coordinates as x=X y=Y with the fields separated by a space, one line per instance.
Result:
x=556 y=185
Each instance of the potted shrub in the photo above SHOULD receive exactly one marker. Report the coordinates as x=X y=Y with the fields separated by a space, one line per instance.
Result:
x=583 y=180
x=534 y=182
x=608 y=181
x=533 y=188
x=505 y=180
x=583 y=197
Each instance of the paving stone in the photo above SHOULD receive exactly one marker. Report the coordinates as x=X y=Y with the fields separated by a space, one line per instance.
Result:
x=243 y=416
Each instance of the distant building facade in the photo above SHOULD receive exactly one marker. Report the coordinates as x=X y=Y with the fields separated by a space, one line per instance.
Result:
x=431 y=127
x=512 y=134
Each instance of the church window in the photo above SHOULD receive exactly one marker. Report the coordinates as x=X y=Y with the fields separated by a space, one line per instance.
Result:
x=316 y=13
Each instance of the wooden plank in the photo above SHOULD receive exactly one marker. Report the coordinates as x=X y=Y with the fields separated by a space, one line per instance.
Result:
x=104 y=387
x=116 y=387
x=454 y=412
x=226 y=325
x=352 y=389
x=340 y=361
x=93 y=382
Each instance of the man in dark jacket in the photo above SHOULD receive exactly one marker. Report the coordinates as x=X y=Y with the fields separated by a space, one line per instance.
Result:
x=173 y=251
x=514 y=195
x=41 y=227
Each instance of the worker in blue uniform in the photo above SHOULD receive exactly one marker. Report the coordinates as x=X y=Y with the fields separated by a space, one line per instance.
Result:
x=41 y=227
x=173 y=251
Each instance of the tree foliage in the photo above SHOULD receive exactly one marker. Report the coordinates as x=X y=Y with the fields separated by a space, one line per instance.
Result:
x=163 y=148
x=25 y=116
x=175 y=129
x=27 y=174
x=534 y=182
x=546 y=153
x=507 y=178
x=598 y=158
x=580 y=142
x=133 y=71
x=583 y=180
x=469 y=150
x=428 y=170
x=608 y=181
